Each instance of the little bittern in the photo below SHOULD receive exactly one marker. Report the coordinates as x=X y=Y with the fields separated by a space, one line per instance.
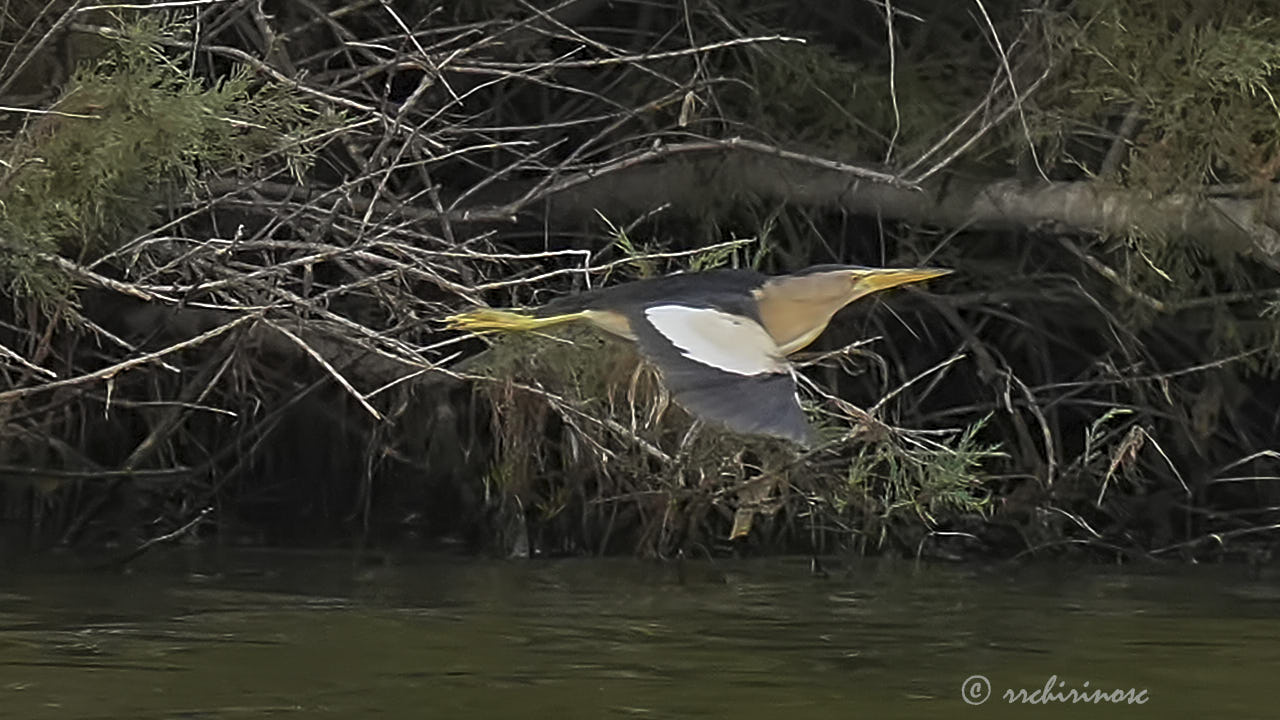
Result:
x=720 y=338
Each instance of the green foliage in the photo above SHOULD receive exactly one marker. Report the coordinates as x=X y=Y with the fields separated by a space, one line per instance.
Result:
x=1197 y=75
x=128 y=131
x=620 y=239
x=1190 y=84
x=902 y=479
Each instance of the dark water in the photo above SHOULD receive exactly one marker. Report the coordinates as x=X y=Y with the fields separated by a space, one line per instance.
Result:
x=295 y=635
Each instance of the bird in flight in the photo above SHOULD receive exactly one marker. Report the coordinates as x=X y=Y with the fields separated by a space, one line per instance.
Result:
x=719 y=338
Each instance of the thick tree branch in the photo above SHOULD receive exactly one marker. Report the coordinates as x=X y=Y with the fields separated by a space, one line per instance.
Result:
x=1242 y=225
x=692 y=175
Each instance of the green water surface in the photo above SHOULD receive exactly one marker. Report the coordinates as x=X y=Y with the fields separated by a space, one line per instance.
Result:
x=285 y=635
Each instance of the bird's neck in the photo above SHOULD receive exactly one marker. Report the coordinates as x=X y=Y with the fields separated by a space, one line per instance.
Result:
x=794 y=323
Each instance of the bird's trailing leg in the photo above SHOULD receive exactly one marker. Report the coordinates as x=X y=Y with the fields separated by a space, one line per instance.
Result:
x=487 y=320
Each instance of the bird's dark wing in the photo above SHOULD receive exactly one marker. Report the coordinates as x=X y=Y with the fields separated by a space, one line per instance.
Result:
x=722 y=366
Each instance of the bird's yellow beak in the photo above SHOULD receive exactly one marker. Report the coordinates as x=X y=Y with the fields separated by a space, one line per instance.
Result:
x=877 y=279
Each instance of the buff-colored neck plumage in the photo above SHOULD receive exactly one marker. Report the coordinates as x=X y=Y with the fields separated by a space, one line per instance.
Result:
x=796 y=309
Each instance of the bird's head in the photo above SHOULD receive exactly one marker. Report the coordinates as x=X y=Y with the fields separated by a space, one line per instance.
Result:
x=839 y=285
x=796 y=308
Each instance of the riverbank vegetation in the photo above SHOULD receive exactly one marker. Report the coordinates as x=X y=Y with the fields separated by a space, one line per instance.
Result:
x=229 y=232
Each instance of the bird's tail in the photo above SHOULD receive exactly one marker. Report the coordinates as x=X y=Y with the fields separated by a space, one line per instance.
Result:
x=487 y=320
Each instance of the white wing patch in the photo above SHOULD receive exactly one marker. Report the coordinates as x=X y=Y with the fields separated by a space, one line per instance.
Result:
x=718 y=339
